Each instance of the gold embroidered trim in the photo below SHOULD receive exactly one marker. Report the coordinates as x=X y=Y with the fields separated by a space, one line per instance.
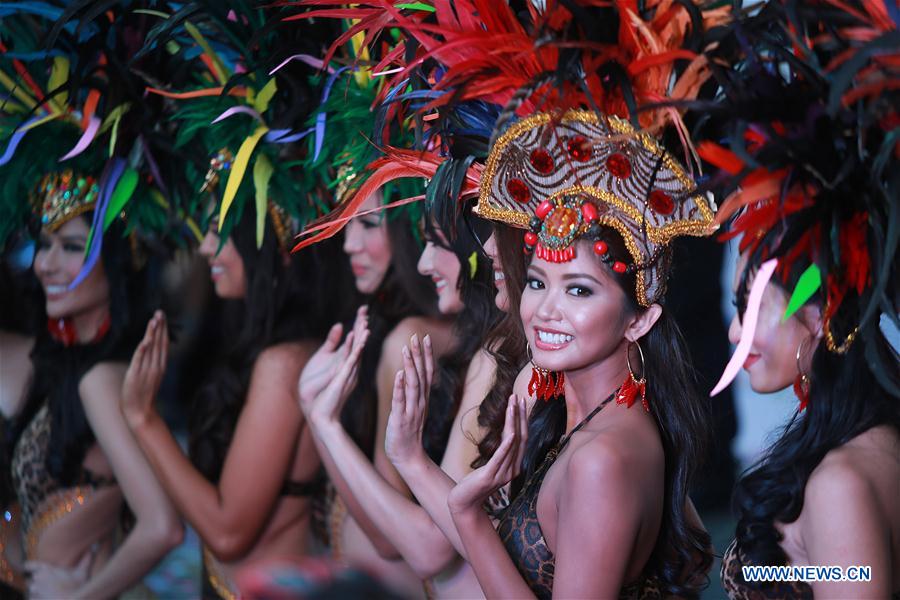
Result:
x=219 y=582
x=56 y=506
x=336 y=527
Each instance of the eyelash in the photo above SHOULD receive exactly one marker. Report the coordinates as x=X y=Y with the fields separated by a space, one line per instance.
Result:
x=369 y=224
x=586 y=291
x=533 y=283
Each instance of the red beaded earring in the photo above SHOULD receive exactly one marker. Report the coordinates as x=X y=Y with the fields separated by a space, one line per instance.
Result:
x=633 y=386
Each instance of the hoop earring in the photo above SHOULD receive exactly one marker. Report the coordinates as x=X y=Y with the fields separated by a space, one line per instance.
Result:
x=802 y=381
x=545 y=384
x=633 y=386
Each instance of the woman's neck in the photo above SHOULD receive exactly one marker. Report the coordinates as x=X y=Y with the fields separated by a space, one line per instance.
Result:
x=588 y=386
x=89 y=322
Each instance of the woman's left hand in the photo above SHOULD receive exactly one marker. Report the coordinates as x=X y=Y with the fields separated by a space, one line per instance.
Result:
x=49 y=581
x=145 y=372
x=325 y=407
x=504 y=465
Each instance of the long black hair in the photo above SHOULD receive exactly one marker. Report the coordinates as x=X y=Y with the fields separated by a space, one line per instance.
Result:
x=845 y=400
x=289 y=298
x=505 y=343
x=402 y=293
x=683 y=425
x=57 y=369
x=471 y=326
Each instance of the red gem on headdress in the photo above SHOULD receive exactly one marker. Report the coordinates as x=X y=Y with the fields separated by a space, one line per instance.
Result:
x=579 y=148
x=541 y=161
x=555 y=256
x=619 y=267
x=518 y=189
x=619 y=166
x=600 y=248
x=543 y=209
x=589 y=212
x=531 y=238
x=661 y=203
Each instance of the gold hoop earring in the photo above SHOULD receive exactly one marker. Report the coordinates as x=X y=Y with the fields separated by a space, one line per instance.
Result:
x=633 y=386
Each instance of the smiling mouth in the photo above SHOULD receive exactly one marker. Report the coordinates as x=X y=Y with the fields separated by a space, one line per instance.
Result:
x=439 y=283
x=551 y=340
x=498 y=276
x=55 y=290
x=751 y=360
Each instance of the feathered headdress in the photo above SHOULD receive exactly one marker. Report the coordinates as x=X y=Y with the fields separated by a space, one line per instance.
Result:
x=578 y=81
x=76 y=134
x=234 y=110
x=806 y=137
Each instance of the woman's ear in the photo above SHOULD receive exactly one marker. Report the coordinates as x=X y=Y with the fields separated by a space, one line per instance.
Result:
x=643 y=323
x=810 y=316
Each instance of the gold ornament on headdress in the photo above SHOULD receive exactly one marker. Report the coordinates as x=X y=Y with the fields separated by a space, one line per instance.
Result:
x=60 y=197
x=559 y=175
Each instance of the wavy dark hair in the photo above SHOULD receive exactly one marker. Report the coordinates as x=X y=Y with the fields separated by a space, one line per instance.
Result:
x=289 y=298
x=478 y=316
x=402 y=293
x=845 y=400
x=683 y=423
x=506 y=343
x=57 y=370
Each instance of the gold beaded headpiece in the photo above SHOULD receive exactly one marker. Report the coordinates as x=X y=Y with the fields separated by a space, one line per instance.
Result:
x=561 y=176
x=60 y=197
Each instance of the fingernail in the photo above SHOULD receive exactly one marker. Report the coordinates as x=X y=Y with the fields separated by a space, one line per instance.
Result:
x=405 y=351
x=428 y=339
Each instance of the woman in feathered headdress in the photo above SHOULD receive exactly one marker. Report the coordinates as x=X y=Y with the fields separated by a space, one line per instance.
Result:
x=252 y=471
x=603 y=200
x=78 y=167
x=808 y=113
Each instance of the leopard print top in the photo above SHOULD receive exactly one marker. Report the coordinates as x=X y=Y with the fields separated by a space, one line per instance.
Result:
x=520 y=531
x=32 y=482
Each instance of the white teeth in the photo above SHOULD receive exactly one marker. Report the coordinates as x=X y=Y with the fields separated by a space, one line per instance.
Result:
x=499 y=276
x=553 y=338
x=56 y=289
x=217 y=270
x=440 y=284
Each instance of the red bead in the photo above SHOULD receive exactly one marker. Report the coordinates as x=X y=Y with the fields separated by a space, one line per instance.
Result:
x=619 y=166
x=531 y=238
x=543 y=209
x=518 y=189
x=589 y=212
x=542 y=161
x=619 y=267
x=600 y=248
x=661 y=203
x=579 y=148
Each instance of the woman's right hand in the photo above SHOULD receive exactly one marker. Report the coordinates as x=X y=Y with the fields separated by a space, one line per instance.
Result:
x=145 y=372
x=505 y=464
x=409 y=405
x=330 y=375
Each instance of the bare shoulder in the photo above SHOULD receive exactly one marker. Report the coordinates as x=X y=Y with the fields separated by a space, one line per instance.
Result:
x=481 y=366
x=103 y=378
x=391 y=359
x=281 y=364
x=840 y=482
x=613 y=456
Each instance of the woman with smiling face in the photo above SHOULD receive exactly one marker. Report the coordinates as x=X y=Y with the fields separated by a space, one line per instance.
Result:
x=382 y=249
x=414 y=443
x=817 y=271
x=601 y=508
x=253 y=468
x=74 y=461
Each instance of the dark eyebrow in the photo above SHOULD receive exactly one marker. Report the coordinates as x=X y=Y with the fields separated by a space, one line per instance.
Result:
x=539 y=270
x=80 y=239
x=582 y=276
